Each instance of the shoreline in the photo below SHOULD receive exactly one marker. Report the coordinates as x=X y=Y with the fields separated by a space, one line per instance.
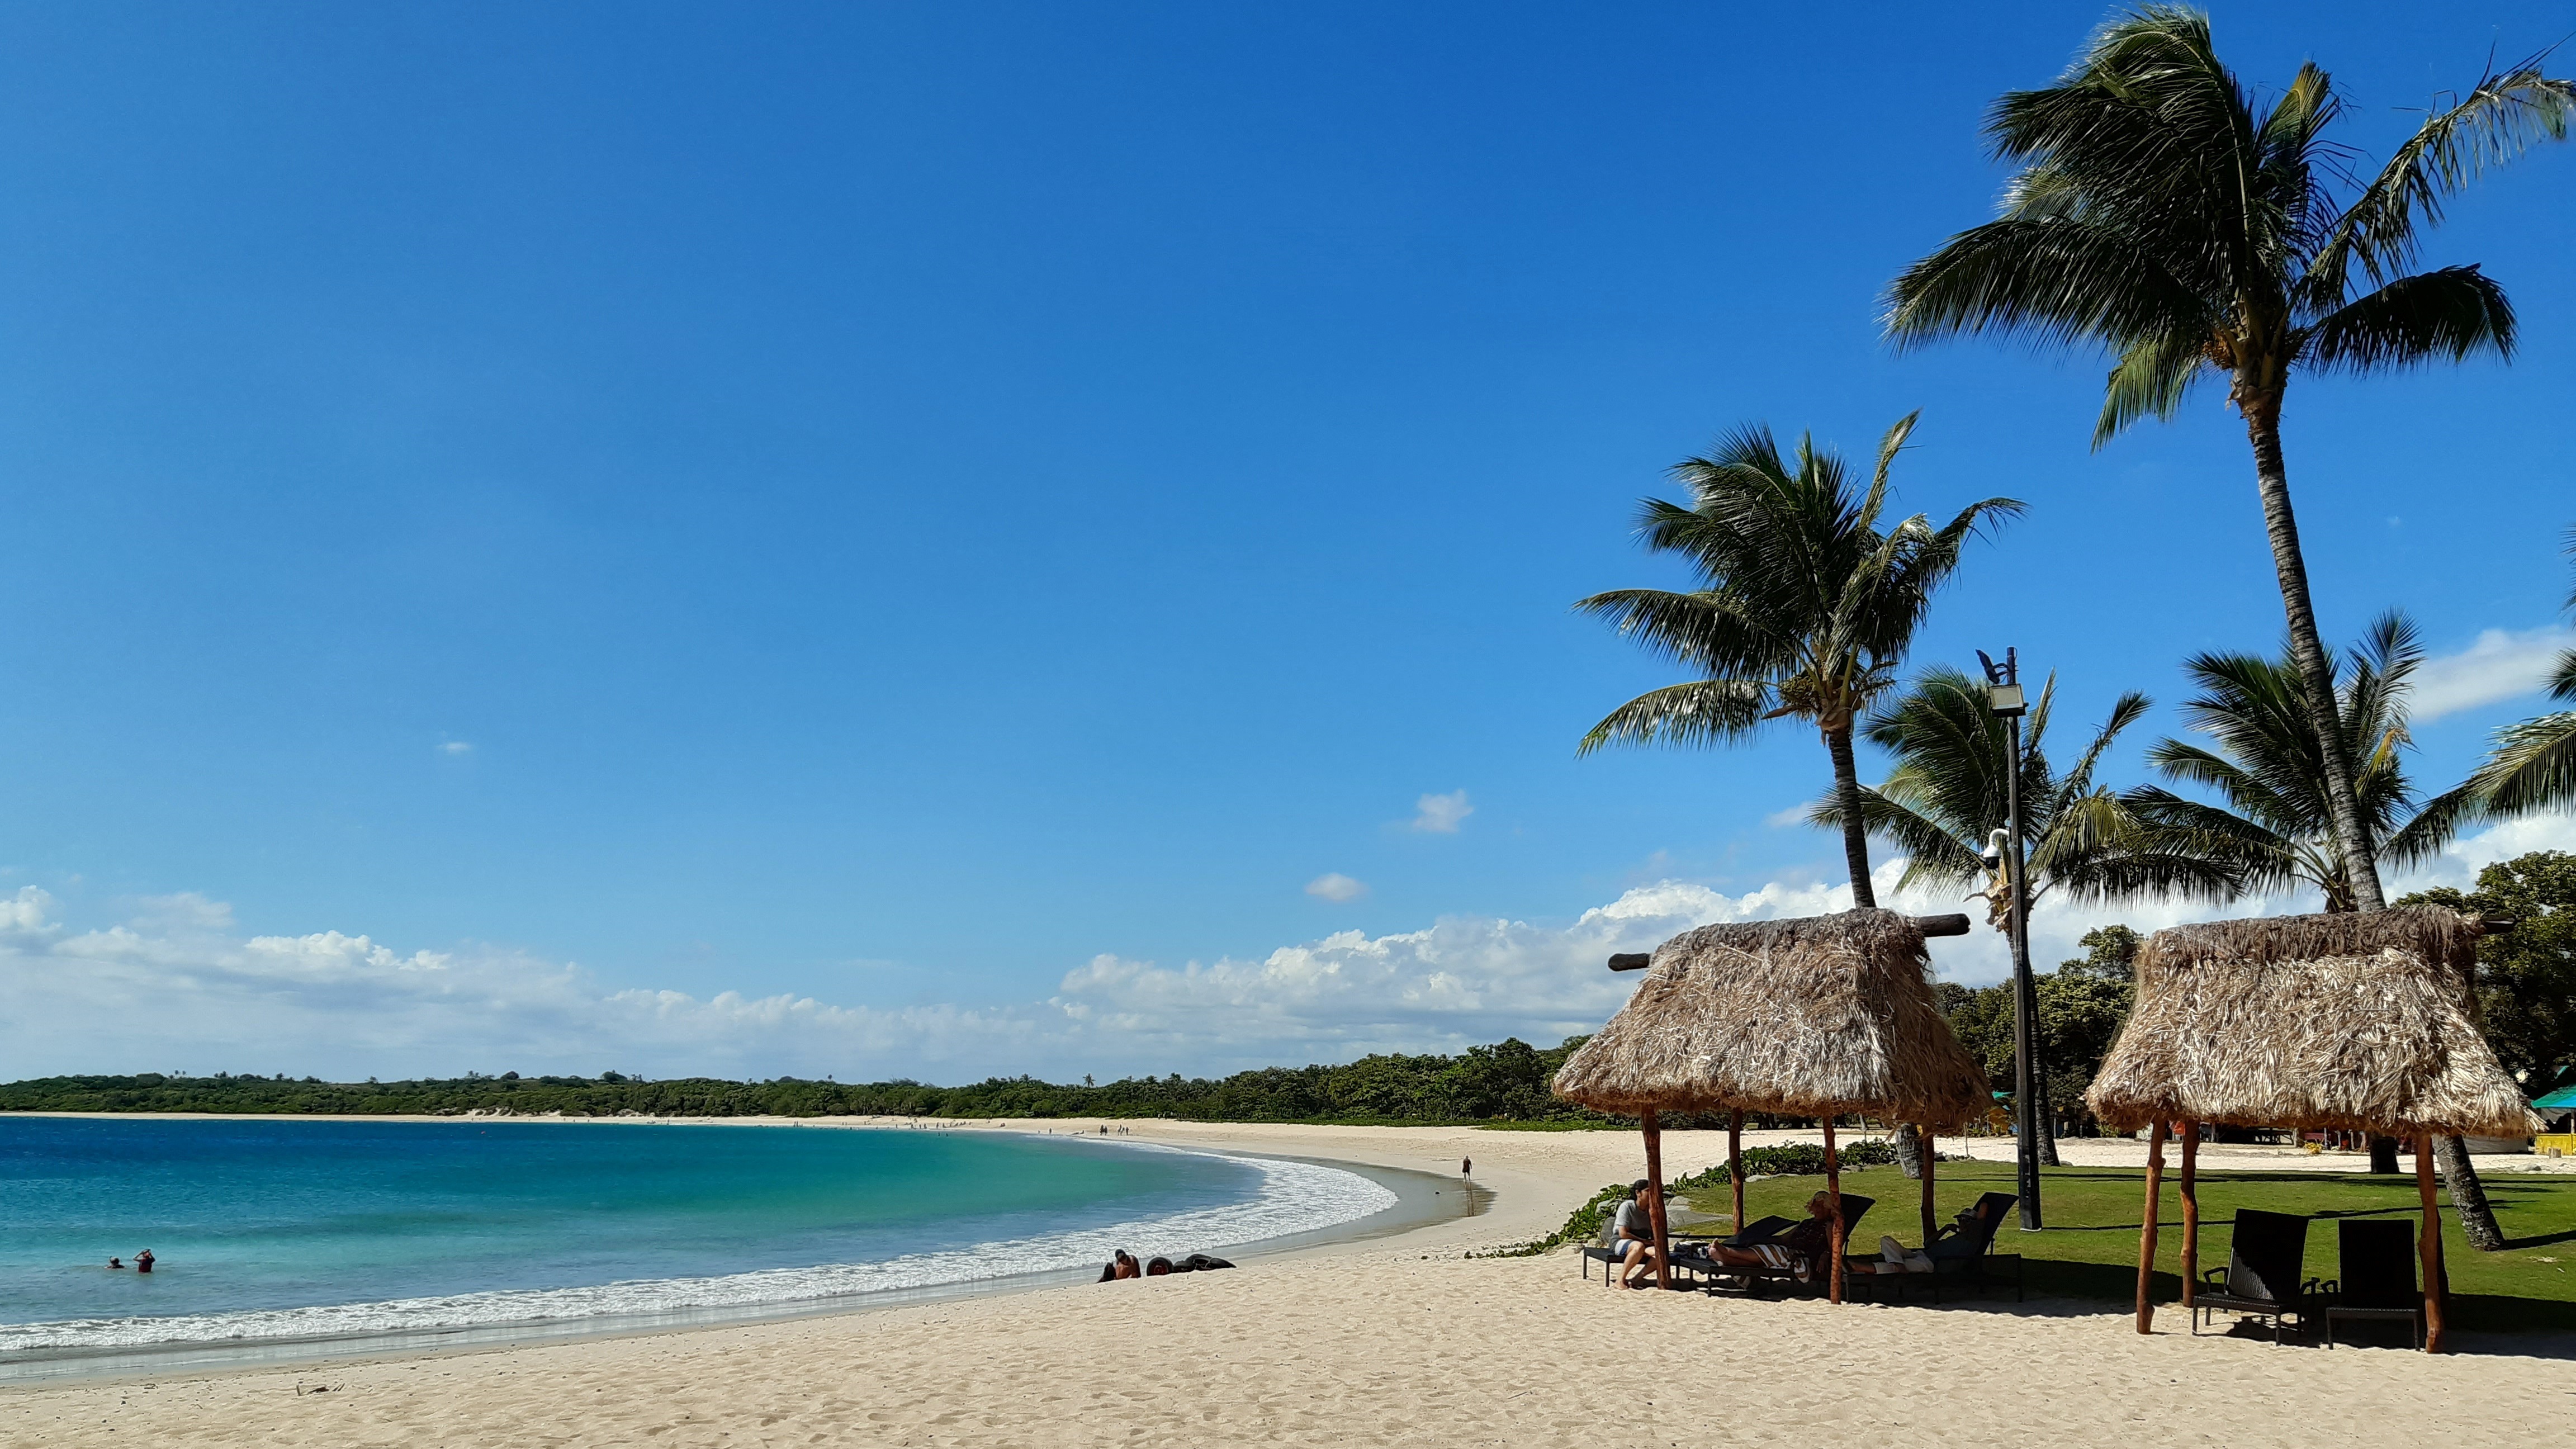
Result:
x=1420 y=1200
x=1398 y=1340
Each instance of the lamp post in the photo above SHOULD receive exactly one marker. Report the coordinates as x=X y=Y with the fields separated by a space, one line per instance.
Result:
x=2004 y=698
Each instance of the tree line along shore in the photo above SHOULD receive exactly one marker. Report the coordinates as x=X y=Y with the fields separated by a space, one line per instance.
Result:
x=2525 y=982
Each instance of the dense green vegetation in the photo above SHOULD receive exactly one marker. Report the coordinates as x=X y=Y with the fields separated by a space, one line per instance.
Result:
x=2527 y=977
x=2090 y=1247
x=1507 y=1081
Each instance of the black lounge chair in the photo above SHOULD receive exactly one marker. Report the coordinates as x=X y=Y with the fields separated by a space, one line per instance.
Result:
x=1750 y=1278
x=2261 y=1279
x=2375 y=1264
x=1962 y=1253
x=1690 y=1252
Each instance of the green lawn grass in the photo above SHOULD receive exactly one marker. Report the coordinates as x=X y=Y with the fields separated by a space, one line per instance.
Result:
x=2090 y=1247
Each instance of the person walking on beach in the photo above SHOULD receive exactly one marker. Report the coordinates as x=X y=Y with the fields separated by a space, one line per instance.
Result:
x=1466 y=1167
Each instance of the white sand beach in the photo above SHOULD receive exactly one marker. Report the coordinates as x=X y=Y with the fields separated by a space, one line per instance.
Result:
x=1388 y=1341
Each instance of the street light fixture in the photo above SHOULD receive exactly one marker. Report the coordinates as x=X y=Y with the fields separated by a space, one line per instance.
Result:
x=2004 y=699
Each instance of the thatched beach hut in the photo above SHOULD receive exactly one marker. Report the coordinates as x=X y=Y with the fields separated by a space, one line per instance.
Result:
x=2362 y=1022
x=1815 y=1017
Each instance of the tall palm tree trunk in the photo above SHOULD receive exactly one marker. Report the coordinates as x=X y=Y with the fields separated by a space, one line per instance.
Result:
x=1838 y=743
x=2352 y=833
x=2468 y=1195
x=2272 y=478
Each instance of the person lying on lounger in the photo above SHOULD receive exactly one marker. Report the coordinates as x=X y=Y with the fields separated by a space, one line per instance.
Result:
x=1809 y=1240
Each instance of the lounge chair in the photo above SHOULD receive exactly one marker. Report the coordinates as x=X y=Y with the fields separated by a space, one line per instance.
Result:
x=2261 y=1279
x=2375 y=1264
x=1690 y=1251
x=1962 y=1254
x=1783 y=1265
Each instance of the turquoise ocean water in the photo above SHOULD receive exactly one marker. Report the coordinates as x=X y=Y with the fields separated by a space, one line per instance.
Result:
x=294 y=1230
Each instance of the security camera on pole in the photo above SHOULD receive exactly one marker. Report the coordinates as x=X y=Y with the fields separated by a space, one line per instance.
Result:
x=2004 y=698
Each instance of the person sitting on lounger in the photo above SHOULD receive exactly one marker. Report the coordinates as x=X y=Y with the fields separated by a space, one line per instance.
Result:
x=1809 y=1240
x=1632 y=1237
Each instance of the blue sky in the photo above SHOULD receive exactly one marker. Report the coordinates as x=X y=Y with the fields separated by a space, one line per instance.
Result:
x=885 y=507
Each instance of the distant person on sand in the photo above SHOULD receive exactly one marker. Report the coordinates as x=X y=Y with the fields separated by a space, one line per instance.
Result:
x=1466 y=1167
x=1632 y=1235
x=143 y=1261
x=1124 y=1266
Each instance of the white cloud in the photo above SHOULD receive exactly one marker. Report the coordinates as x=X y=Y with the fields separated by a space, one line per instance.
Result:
x=24 y=913
x=456 y=747
x=1783 y=819
x=1440 y=814
x=179 y=985
x=2500 y=665
x=1335 y=886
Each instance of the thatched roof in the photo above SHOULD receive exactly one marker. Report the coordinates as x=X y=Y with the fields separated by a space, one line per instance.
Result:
x=1825 y=1015
x=2352 y=1021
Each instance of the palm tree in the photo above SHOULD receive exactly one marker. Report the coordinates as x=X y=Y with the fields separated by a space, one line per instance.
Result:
x=1947 y=792
x=1805 y=607
x=2532 y=765
x=2161 y=213
x=2275 y=832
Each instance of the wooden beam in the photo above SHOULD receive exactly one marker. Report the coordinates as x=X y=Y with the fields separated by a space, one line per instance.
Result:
x=1951 y=925
x=2190 y=1213
x=1655 y=1197
x=2147 y=1229
x=1834 y=1190
x=2428 y=1244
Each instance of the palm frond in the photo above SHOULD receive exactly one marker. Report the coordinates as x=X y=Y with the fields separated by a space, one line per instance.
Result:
x=2530 y=765
x=2505 y=115
x=2061 y=280
x=2445 y=315
x=1934 y=856
x=2151 y=378
x=2432 y=828
x=1702 y=712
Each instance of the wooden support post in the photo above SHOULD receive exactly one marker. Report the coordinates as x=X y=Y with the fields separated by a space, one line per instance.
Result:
x=1924 y=1134
x=1735 y=1162
x=2428 y=1244
x=2190 y=1213
x=1655 y=1197
x=2147 y=1229
x=1834 y=1190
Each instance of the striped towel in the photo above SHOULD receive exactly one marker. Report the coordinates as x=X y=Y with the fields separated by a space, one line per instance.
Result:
x=1777 y=1256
